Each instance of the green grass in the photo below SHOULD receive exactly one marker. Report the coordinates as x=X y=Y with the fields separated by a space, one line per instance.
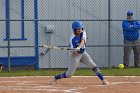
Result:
x=111 y=72
x=79 y=72
x=122 y=72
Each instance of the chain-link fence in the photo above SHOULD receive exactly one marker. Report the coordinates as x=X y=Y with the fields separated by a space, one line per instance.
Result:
x=26 y=25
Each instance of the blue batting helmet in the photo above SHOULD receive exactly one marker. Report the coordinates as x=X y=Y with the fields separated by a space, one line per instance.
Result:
x=77 y=25
x=129 y=13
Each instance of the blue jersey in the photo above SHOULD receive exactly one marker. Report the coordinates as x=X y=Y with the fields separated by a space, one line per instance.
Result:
x=75 y=41
x=130 y=34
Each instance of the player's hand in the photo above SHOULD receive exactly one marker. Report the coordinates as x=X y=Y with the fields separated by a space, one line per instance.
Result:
x=130 y=20
x=76 y=49
x=131 y=26
x=74 y=53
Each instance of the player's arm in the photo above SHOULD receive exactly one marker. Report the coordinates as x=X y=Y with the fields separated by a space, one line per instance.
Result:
x=83 y=40
x=126 y=26
x=137 y=25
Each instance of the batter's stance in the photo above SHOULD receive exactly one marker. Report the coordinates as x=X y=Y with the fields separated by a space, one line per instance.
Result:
x=78 y=41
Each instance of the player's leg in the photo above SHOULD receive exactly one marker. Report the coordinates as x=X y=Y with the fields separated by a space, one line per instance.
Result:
x=69 y=73
x=86 y=59
x=136 y=54
x=127 y=51
x=71 y=68
x=73 y=64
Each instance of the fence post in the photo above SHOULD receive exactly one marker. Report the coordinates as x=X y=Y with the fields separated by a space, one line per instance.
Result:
x=109 y=36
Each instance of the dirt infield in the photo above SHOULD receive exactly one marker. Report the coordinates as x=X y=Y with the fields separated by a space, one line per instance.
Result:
x=41 y=84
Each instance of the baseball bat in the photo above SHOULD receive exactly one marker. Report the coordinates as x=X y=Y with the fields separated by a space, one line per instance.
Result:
x=57 y=47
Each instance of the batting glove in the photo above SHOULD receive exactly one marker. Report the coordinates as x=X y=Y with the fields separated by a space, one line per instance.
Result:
x=77 y=49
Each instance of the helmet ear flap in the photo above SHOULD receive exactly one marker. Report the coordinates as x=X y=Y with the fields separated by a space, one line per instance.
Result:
x=74 y=30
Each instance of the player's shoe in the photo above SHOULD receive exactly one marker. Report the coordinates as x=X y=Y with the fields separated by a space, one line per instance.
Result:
x=105 y=82
x=53 y=81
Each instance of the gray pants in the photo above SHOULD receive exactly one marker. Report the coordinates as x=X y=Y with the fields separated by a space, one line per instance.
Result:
x=128 y=47
x=81 y=57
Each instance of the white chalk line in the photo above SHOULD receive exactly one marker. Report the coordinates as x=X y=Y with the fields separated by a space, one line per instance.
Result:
x=29 y=85
x=72 y=76
x=42 y=88
x=117 y=83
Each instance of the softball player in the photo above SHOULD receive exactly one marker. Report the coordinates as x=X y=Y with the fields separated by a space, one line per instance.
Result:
x=77 y=41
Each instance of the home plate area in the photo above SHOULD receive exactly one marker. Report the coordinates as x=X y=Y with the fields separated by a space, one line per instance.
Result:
x=76 y=84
